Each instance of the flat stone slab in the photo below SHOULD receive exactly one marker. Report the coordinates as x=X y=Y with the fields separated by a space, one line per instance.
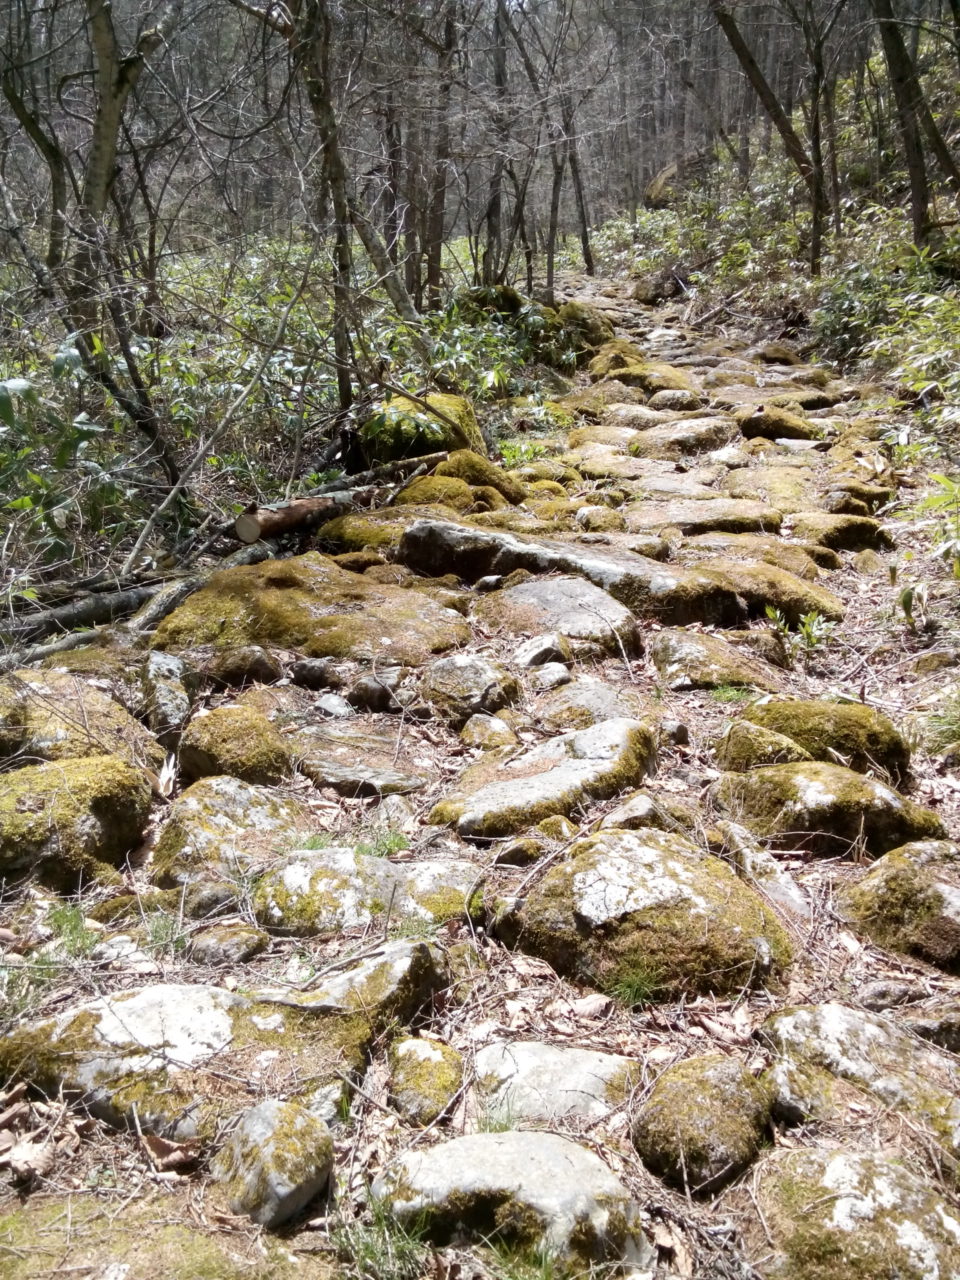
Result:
x=535 y=1190
x=646 y=587
x=696 y=660
x=646 y=913
x=587 y=701
x=824 y=808
x=322 y=892
x=503 y=794
x=356 y=760
x=678 y=439
x=589 y=617
x=724 y=515
x=531 y=1081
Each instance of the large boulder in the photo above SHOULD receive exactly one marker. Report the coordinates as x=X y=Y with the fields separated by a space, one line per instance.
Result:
x=405 y=428
x=71 y=819
x=824 y=808
x=236 y=741
x=646 y=914
x=537 y=1191
x=697 y=660
x=311 y=605
x=847 y=733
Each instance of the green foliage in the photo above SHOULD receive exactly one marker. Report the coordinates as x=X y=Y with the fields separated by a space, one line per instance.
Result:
x=946 y=505
x=69 y=928
x=943 y=725
x=165 y=934
x=384 y=843
x=517 y=452
x=378 y=1247
x=636 y=985
x=730 y=693
x=813 y=631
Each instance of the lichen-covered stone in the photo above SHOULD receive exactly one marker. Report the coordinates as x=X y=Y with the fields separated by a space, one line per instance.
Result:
x=528 y=1081
x=786 y=488
x=743 y=746
x=54 y=715
x=219 y=825
x=629 y=907
x=357 y=758
x=275 y=1161
x=425 y=1077
x=589 y=618
x=402 y=428
x=909 y=901
x=475 y=469
x=824 y=808
x=487 y=733
x=501 y=794
x=537 y=1191
x=167 y=699
x=236 y=741
x=774 y=423
x=824 y=1054
x=848 y=733
x=71 y=819
x=323 y=892
x=466 y=683
x=589 y=700
x=862 y=1215
x=698 y=660
x=223 y=944
x=702 y=1123
x=677 y=439
x=730 y=515
x=311 y=605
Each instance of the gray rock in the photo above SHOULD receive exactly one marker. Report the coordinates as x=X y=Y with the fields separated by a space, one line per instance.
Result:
x=551 y=647
x=588 y=617
x=322 y=892
x=886 y=993
x=555 y=777
x=864 y=1214
x=696 y=660
x=694 y=516
x=223 y=944
x=357 y=759
x=552 y=675
x=761 y=869
x=487 y=732
x=167 y=702
x=530 y=1081
x=647 y=588
x=335 y=706
x=460 y=686
x=678 y=439
x=675 y=400
x=276 y=1160
x=702 y=1123
x=587 y=701
x=939 y=1023
x=536 y=1190
x=315 y=673
x=645 y=913
x=425 y=1077
x=375 y=692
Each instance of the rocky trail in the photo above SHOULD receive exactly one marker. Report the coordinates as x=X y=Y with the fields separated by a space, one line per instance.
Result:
x=555 y=863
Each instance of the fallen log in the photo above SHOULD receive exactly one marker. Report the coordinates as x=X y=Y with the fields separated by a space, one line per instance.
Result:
x=299 y=515
x=384 y=473
x=89 y=611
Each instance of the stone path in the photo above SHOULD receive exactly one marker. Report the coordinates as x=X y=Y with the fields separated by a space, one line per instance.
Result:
x=561 y=873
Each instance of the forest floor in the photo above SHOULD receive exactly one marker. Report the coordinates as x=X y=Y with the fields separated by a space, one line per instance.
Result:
x=825 y=530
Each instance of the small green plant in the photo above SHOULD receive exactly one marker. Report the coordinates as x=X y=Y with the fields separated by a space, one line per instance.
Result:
x=496 y=1117
x=68 y=925
x=813 y=630
x=730 y=693
x=321 y=840
x=912 y=602
x=946 y=504
x=384 y=844
x=513 y=1262
x=23 y=988
x=636 y=985
x=943 y=725
x=165 y=935
x=378 y=1247
x=516 y=453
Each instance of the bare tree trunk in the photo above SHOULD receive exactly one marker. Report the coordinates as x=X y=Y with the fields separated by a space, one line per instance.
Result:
x=895 y=53
x=438 y=186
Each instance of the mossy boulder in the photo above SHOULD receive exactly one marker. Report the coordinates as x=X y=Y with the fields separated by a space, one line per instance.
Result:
x=467 y=683
x=505 y=792
x=841 y=532
x=311 y=605
x=786 y=488
x=404 y=428
x=425 y=1077
x=220 y=825
x=764 y=584
x=380 y=531
x=71 y=819
x=614 y=354
x=474 y=469
x=703 y=1123
x=678 y=439
x=55 y=715
x=730 y=515
x=863 y=1215
x=237 y=741
x=536 y=1192
x=771 y=422
x=848 y=733
x=698 y=660
x=447 y=491
x=743 y=746
x=587 y=324
x=909 y=901
x=536 y=1083
x=275 y=1161
x=647 y=914
x=824 y=808
x=487 y=733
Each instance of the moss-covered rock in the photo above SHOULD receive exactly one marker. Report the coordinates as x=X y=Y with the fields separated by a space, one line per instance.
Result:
x=447 y=491
x=848 y=733
x=220 y=825
x=697 y=660
x=770 y=422
x=237 y=741
x=862 y=1215
x=475 y=469
x=678 y=439
x=702 y=1123
x=588 y=617
x=464 y=684
x=403 y=428
x=58 y=716
x=764 y=584
x=71 y=819
x=310 y=605
x=802 y=560
x=743 y=746
x=730 y=515
x=786 y=488
x=841 y=532
x=588 y=325
x=487 y=733
x=646 y=914
x=380 y=531
x=824 y=808
x=909 y=901
x=589 y=700
x=425 y=1077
